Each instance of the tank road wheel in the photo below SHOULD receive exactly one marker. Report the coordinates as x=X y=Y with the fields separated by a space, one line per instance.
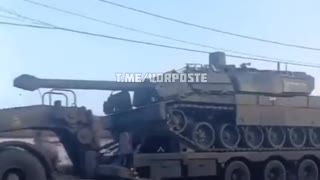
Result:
x=229 y=136
x=274 y=170
x=297 y=137
x=314 y=137
x=20 y=165
x=308 y=170
x=237 y=170
x=253 y=137
x=276 y=137
x=177 y=121
x=203 y=135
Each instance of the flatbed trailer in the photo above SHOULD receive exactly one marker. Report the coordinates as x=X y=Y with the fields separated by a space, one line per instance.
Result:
x=71 y=126
x=90 y=164
x=214 y=165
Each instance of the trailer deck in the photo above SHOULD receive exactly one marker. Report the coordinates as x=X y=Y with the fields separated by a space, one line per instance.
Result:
x=182 y=165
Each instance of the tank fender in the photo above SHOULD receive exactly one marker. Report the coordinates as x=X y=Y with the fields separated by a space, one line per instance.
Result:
x=32 y=150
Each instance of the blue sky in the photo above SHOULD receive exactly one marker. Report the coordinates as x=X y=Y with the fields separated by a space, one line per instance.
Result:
x=54 y=54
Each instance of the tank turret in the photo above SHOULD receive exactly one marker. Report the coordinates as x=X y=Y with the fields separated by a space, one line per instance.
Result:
x=268 y=82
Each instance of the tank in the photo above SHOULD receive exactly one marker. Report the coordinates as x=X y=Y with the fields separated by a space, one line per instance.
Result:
x=230 y=109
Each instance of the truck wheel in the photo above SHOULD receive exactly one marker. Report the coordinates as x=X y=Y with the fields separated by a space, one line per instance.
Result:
x=308 y=170
x=237 y=170
x=17 y=164
x=274 y=170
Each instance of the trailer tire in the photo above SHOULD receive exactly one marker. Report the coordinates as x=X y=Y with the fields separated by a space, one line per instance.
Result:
x=274 y=170
x=308 y=170
x=237 y=170
x=21 y=165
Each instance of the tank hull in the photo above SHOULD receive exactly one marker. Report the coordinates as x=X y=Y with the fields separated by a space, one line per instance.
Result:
x=280 y=123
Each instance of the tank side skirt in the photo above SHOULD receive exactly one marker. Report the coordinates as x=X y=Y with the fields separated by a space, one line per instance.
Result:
x=299 y=111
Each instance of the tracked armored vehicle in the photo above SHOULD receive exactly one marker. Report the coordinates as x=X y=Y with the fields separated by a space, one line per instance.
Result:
x=233 y=109
x=218 y=121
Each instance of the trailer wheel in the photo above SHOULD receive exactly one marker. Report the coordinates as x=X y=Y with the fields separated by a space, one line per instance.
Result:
x=274 y=170
x=308 y=170
x=237 y=170
x=17 y=164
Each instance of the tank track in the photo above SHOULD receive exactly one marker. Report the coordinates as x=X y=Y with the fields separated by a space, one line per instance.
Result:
x=190 y=111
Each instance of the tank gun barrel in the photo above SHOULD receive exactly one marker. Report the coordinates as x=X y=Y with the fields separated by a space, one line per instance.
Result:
x=31 y=83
